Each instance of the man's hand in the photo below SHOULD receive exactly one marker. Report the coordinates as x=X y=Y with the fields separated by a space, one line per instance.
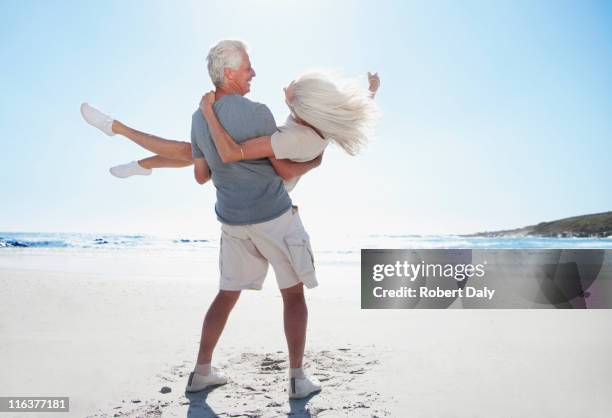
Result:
x=201 y=170
x=288 y=169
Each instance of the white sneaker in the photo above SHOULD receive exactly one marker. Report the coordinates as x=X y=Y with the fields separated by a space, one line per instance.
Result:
x=301 y=388
x=97 y=119
x=130 y=169
x=198 y=382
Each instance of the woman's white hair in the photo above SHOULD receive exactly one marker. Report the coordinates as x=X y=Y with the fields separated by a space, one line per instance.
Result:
x=339 y=109
x=226 y=54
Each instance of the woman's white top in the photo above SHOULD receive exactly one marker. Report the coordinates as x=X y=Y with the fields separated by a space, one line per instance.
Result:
x=298 y=143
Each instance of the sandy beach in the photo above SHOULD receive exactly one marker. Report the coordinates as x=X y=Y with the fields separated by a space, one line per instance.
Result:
x=133 y=130
x=113 y=330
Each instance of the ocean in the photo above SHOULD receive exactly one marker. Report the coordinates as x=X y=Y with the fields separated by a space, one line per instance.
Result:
x=338 y=248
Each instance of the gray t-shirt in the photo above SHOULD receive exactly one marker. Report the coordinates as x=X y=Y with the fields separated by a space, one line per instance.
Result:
x=248 y=192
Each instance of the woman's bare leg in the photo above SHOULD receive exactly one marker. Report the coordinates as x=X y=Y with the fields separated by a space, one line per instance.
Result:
x=170 y=149
x=157 y=161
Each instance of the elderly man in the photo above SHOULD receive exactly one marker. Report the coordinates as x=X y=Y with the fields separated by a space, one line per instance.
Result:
x=259 y=224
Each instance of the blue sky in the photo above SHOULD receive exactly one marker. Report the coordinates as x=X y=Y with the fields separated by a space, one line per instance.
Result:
x=496 y=114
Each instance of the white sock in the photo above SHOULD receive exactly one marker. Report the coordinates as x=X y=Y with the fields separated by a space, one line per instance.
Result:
x=97 y=119
x=203 y=369
x=298 y=373
x=130 y=169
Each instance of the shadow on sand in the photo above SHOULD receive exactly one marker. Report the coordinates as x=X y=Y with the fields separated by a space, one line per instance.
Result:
x=199 y=407
x=298 y=407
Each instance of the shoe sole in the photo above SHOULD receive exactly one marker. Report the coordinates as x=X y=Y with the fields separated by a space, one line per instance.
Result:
x=295 y=397
x=204 y=388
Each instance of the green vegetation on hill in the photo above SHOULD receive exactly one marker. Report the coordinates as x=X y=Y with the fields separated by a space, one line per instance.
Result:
x=594 y=225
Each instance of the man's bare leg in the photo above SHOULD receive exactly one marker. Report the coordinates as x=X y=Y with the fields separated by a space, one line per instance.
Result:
x=214 y=322
x=204 y=375
x=168 y=148
x=295 y=315
x=157 y=161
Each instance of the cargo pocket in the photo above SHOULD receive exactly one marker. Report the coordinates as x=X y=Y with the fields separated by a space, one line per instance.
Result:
x=302 y=259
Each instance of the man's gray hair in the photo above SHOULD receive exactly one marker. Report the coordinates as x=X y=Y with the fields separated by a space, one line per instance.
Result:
x=226 y=54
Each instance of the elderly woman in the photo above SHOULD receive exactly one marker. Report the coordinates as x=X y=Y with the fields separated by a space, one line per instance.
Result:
x=322 y=111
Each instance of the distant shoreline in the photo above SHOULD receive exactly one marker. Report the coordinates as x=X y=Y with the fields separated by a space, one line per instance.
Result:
x=597 y=225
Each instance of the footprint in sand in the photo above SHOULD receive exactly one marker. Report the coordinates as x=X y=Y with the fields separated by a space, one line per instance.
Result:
x=257 y=388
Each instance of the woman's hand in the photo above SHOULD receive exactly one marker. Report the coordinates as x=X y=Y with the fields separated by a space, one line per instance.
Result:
x=374 y=81
x=206 y=104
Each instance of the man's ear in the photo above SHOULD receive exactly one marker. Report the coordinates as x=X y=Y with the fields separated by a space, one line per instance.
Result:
x=227 y=73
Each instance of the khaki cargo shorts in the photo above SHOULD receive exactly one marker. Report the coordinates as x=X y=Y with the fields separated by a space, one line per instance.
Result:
x=246 y=250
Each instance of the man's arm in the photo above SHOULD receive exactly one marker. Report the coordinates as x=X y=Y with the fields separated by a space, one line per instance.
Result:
x=288 y=169
x=201 y=171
